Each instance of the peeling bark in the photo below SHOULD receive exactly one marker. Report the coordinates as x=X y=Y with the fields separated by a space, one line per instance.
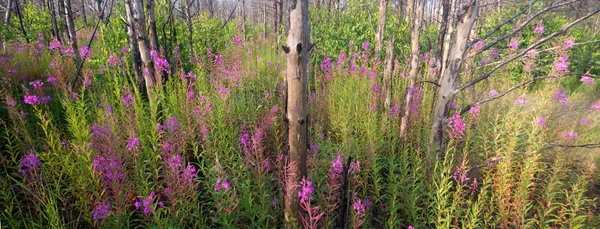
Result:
x=379 y=36
x=414 y=67
x=297 y=50
x=142 y=41
x=450 y=78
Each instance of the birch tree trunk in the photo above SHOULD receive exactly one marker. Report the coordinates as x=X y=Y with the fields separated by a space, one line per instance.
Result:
x=379 y=36
x=387 y=73
x=71 y=31
x=297 y=54
x=450 y=78
x=9 y=6
x=152 y=35
x=410 y=5
x=414 y=67
x=133 y=48
x=139 y=26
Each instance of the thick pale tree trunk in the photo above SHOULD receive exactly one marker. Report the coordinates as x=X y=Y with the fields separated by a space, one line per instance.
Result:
x=9 y=6
x=450 y=78
x=387 y=73
x=71 y=30
x=152 y=35
x=133 y=48
x=379 y=36
x=142 y=40
x=414 y=67
x=410 y=6
x=298 y=48
x=449 y=23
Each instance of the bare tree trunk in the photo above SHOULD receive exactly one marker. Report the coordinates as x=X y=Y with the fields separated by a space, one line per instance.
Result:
x=275 y=25
x=448 y=35
x=328 y=4
x=298 y=50
x=265 y=19
x=379 y=36
x=71 y=30
x=83 y=13
x=142 y=40
x=190 y=31
x=150 y=6
x=387 y=73
x=133 y=48
x=410 y=5
x=414 y=66
x=317 y=3
x=9 y=6
x=450 y=78
x=20 y=16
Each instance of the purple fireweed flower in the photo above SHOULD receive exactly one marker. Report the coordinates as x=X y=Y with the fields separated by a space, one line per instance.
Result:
x=124 y=50
x=275 y=202
x=569 y=43
x=561 y=97
x=479 y=46
x=514 y=44
x=172 y=124
x=85 y=52
x=520 y=101
x=174 y=162
x=176 y=48
x=475 y=111
x=237 y=40
x=539 y=29
x=495 y=54
x=55 y=45
x=361 y=206
x=417 y=94
x=531 y=53
x=366 y=46
x=541 y=122
x=31 y=99
x=51 y=80
x=11 y=102
x=189 y=175
x=111 y=169
x=160 y=63
x=40 y=37
x=29 y=163
x=596 y=106
x=484 y=62
x=411 y=227
x=493 y=92
x=222 y=184
x=44 y=99
x=114 y=61
x=146 y=203
x=587 y=79
x=474 y=186
x=326 y=66
x=127 y=100
x=570 y=135
x=562 y=64
x=306 y=191
x=457 y=127
x=340 y=61
x=354 y=167
x=36 y=84
x=218 y=60
x=101 y=211
x=313 y=148
x=133 y=144
x=337 y=168
x=376 y=89
x=585 y=121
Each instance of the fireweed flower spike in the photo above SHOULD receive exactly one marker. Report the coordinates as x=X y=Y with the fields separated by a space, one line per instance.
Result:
x=457 y=127
x=541 y=122
x=587 y=79
x=101 y=211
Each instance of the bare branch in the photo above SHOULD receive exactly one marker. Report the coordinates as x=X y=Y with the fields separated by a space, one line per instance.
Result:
x=516 y=30
x=550 y=146
x=522 y=53
x=502 y=24
x=430 y=82
x=467 y=108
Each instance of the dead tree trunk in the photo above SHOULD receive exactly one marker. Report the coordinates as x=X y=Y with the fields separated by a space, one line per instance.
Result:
x=55 y=29
x=152 y=35
x=297 y=50
x=83 y=13
x=379 y=36
x=9 y=6
x=328 y=4
x=190 y=30
x=71 y=31
x=450 y=78
x=414 y=66
x=449 y=23
x=20 y=16
x=410 y=5
x=142 y=40
x=133 y=48
x=387 y=73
